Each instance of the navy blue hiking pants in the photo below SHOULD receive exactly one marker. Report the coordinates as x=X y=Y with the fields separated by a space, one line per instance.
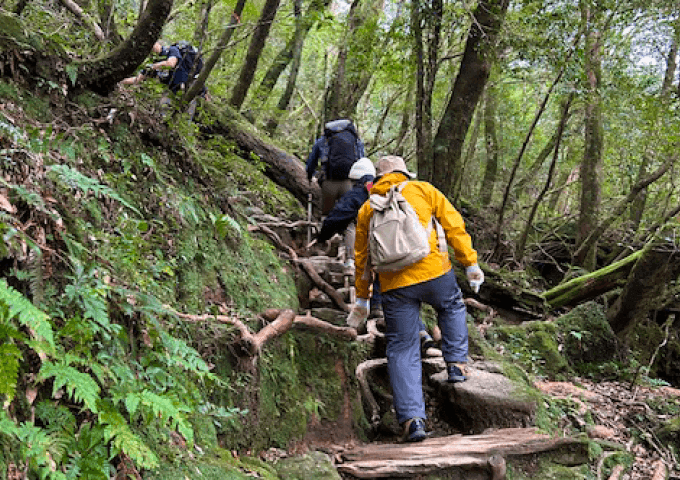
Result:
x=401 y=307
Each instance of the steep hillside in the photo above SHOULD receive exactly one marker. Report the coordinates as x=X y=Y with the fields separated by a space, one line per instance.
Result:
x=114 y=223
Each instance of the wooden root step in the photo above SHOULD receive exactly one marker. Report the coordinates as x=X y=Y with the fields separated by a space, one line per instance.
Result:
x=460 y=456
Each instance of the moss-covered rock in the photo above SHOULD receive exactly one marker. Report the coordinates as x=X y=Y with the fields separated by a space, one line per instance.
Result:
x=587 y=336
x=313 y=466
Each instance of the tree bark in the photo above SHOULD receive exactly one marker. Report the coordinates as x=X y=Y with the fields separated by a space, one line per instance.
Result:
x=492 y=148
x=102 y=75
x=646 y=286
x=474 y=71
x=240 y=90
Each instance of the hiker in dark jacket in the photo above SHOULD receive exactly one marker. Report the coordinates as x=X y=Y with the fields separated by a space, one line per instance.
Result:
x=174 y=71
x=337 y=150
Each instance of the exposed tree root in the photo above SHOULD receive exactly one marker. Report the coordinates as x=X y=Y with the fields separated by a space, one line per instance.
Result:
x=362 y=372
x=308 y=267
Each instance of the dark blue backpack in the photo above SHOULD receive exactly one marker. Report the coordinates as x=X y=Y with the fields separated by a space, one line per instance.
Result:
x=192 y=61
x=340 y=148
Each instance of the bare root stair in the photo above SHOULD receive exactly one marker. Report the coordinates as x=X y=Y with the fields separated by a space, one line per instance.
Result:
x=469 y=457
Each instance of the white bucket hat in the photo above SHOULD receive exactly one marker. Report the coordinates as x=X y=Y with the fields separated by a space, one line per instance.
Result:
x=361 y=167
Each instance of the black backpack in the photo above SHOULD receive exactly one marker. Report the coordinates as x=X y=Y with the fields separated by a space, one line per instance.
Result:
x=192 y=61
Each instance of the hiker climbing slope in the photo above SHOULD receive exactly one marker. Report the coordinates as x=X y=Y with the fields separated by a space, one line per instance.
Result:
x=181 y=66
x=336 y=150
x=429 y=279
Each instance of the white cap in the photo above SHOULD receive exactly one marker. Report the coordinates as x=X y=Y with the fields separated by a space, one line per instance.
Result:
x=361 y=167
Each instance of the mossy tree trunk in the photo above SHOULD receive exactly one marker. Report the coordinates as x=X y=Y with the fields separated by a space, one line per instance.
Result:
x=648 y=286
x=101 y=75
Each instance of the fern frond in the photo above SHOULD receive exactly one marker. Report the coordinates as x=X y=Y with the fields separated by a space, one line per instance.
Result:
x=123 y=440
x=72 y=178
x=183 y=355
x=163 y=408
x=79 y=386
x=9 y=370
x=27 y=314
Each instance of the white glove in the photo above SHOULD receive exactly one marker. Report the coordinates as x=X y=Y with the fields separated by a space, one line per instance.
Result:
x=475 y=277
x=359 y=314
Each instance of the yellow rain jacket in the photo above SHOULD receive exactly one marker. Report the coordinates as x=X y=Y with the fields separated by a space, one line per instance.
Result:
x=426 y=201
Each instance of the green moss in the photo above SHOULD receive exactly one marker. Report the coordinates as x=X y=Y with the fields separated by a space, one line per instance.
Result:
x=586 y=335
x=544 y=344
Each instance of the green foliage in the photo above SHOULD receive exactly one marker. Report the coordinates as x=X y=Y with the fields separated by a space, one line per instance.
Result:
x=73 y=179
x=80 y=386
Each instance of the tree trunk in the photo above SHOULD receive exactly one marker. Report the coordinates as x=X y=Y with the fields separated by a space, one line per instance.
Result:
x=357 y=60
x=202 y=26
x=238 y=94
x=648 y=283
x=492 y=147
x=426 y=72
x=108 y=22
x=596 y=231
x=474 y=71
x=103 y=74
x=290 y=51
x=197 y=85
x=591 y=164
x=520 y=155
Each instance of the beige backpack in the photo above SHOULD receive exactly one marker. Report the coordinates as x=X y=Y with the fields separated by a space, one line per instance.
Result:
x=396 y=238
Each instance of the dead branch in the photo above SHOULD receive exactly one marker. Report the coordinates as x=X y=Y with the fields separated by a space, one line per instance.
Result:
x=75 y=9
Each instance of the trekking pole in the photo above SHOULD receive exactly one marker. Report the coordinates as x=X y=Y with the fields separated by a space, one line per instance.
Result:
x=309 y=218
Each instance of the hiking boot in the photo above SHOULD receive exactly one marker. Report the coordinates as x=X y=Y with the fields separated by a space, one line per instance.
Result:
x=414 y=430
x=376 y=312
x=426 y=342
x=457 y=372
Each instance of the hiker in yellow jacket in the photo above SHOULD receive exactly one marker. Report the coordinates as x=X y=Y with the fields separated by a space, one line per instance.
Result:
x=429 y=280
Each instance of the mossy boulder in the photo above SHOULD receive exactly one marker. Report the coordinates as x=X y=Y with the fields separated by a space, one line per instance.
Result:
x=313 y=466
x=586 y=335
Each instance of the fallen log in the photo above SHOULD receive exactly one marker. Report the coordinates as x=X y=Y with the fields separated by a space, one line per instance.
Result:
x=592 y=285
x=281 y=167
x=459 y=456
